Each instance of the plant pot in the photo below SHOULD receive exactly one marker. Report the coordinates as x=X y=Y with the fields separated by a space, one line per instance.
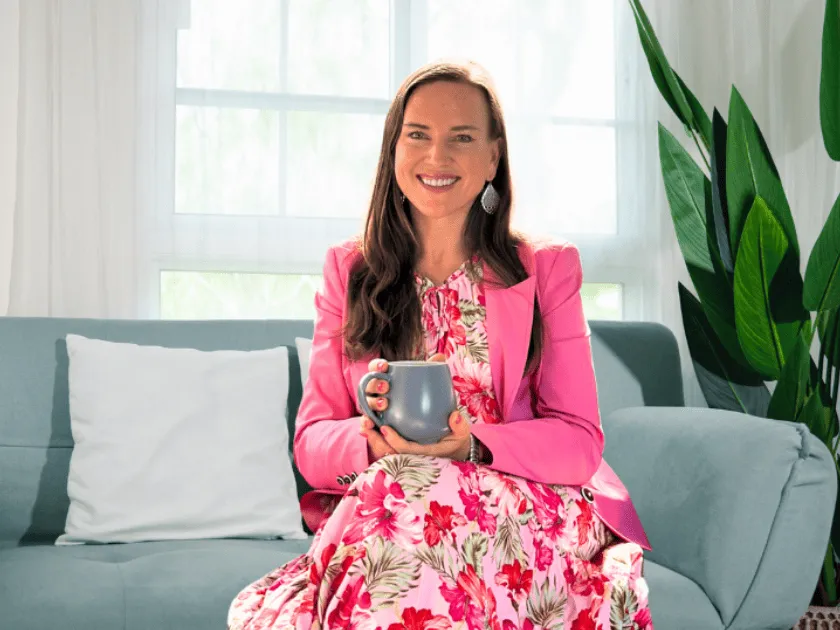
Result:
x=819 y=618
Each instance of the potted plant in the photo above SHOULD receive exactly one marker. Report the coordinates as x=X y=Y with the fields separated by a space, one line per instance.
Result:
x=755 y=318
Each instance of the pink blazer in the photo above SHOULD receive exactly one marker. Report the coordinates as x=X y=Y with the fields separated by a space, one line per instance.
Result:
x=552 y=429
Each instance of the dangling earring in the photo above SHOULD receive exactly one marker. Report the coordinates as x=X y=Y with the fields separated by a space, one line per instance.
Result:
x=490 y=199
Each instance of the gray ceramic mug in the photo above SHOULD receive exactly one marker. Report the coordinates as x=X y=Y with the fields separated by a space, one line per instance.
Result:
x=420 y=400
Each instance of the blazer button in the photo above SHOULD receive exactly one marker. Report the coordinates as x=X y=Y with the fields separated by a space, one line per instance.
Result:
x=587 y=495
x=340 y=480
x=346 y=479
x=353 y=477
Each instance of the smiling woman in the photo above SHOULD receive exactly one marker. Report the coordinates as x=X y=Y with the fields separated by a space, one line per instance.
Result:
x=500 y=523
x=439 y=166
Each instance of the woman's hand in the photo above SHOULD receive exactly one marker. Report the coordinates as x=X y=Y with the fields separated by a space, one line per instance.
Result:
x=386 y=441
x=377 y=446
x=456 y=445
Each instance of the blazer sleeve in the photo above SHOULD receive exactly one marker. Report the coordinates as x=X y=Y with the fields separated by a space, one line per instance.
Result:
x=563 y=443
x=327 y=444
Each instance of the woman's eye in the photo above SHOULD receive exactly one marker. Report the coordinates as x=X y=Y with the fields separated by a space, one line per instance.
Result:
x=415 y=135
x=463 y=137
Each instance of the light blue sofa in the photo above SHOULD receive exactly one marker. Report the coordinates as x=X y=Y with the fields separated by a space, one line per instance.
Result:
x=737 y=508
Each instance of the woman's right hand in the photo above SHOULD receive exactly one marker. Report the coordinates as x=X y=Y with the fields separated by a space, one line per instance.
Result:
x=376 y=390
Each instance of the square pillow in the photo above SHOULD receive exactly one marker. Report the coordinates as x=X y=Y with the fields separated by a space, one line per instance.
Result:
x=304 y=349
x=178 y=443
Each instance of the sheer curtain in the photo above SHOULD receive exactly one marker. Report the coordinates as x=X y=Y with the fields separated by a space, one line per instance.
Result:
x=9 y=44
x=195 y=158
x=73 y=123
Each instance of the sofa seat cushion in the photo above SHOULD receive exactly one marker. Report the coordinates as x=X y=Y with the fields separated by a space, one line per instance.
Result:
x=182 y=585
x=677 y=603
x=188 y=585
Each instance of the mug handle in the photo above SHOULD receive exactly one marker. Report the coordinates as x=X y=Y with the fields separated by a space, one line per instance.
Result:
x=363 y=403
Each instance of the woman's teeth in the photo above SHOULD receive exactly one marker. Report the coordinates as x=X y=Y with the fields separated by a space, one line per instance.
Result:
x=438 y=182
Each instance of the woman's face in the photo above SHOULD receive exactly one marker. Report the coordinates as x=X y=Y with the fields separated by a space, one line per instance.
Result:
x=444 y=153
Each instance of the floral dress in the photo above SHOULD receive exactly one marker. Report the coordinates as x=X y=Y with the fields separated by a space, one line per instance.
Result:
x=426 y=543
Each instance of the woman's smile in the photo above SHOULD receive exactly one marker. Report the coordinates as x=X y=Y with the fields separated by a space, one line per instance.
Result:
x=438 y=183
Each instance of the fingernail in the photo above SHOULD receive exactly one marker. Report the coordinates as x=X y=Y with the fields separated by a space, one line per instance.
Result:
x=382 y=365
x=381 y=386
x=458 y=420
x=380 y=403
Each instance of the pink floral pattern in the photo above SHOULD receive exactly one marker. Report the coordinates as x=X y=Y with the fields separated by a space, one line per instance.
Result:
x=453 y=318
x=423 y=543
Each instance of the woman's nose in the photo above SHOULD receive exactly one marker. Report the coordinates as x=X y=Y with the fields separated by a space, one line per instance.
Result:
x=439 y=152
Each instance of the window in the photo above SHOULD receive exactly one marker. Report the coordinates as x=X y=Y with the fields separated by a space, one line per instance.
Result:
x=273 y=113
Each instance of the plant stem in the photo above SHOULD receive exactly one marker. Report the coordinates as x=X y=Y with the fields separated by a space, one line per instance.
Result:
x=835 y=412
x=829 y=577
x=824 y=374
x=702 y=154
x=832 y=338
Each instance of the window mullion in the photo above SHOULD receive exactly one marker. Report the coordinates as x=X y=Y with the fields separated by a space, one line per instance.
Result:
x=419 y=31
x=401 y=42
x=198 y=97
x=282 y=122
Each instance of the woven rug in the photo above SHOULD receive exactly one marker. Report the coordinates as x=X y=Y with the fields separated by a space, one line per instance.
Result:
x=819 y=618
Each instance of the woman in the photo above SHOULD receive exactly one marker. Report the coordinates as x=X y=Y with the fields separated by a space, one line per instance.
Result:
x=513 y=520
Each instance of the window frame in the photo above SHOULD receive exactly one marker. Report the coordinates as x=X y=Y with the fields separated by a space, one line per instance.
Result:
x=213 y=242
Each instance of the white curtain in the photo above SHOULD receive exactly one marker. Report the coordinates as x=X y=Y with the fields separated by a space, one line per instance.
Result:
x=88 y=157
x=9 y=45
x=72 y=213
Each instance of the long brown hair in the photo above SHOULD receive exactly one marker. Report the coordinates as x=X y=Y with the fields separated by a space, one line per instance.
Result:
x=384 y=312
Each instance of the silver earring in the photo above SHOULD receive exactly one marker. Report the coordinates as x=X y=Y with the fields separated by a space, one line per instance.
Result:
x=490 y=199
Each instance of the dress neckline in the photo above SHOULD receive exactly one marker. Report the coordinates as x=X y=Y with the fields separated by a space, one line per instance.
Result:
x=461 y=270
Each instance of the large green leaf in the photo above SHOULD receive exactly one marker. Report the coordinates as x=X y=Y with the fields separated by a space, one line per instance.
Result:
x=686 y=189
x=764 y=247
x=817 y=415
x=830 y=80
x=725 y=383
x=794 y=384
x=720 y=214
x=660 y=69
x=750 y=172
x=702 y=124
x=822 y=276
x=690 y=198
x=829 y=330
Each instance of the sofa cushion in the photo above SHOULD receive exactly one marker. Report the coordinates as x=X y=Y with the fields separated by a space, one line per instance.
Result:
x=177 y=444
x=304 y=349
x=143 y=586
x=740 y=505
x=35 y=437
x=677 y=602
x=190 y=584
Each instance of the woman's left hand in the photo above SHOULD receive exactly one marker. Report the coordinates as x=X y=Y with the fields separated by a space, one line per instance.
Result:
x=455 y=446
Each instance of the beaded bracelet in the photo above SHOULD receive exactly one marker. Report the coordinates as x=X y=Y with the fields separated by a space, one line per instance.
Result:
x=473 y=449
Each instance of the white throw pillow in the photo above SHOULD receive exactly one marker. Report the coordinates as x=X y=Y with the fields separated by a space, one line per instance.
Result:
x=304 y=349
x=177 y=443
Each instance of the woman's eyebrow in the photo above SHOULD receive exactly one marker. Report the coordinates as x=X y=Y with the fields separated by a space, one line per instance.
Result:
x=455 y=128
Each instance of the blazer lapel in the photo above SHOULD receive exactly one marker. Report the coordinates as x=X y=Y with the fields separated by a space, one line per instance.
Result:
x=510 y=314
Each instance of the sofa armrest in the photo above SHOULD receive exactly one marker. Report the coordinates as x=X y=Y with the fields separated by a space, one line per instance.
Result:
x=741 y=505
